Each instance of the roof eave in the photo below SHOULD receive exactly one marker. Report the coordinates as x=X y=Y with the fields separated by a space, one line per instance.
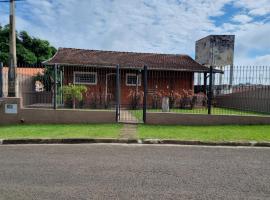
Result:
x=132 y=67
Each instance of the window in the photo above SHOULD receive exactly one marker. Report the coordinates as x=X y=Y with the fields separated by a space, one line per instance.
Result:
x=87 y=78
x=133 y=79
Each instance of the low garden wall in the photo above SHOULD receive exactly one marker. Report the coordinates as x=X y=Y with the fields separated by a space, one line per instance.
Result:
x=159 y=118
x=50 y=116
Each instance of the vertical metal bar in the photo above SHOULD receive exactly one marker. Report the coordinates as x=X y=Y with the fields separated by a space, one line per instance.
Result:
x=1 y=79
x=204 y=82
x=231 y=76
x=117 y=113
x=210 y=90
x=62 y=83
x=55 y=88
x=145 y=92
x=137 y=82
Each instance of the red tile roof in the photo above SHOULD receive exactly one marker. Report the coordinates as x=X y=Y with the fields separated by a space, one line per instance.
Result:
x=25 y=71
x=70 y=56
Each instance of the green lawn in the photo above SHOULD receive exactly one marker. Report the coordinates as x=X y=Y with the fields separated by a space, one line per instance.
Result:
x=215 y=111
x=60 y=131
x=202 y=133
x=207 y=133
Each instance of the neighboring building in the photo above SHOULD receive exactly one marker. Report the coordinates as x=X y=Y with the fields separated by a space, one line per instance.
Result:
x=216 y=51
x=26 y=86
x=97 y=70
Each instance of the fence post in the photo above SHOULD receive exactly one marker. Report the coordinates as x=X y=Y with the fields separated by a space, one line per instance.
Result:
x=145 y=92
x=117 y=107
x=55 y=88
x=210 y=95
x=1 y=79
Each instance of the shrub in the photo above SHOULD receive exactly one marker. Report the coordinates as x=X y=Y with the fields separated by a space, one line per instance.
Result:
x=201 y=99
x=136 y=98
x=156 y=99
x=73 y=92
x=186 y=100
x=173 y=98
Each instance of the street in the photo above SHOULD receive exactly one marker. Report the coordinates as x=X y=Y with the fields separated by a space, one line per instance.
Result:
x=99 y=171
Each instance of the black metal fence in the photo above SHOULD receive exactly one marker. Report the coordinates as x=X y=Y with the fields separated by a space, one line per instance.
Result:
x=245 y=92
x=131 y=93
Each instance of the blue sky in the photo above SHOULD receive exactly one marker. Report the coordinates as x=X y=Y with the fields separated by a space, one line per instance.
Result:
x=164 y=26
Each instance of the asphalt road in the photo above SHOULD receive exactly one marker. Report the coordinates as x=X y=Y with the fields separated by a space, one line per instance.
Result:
x=133 y=172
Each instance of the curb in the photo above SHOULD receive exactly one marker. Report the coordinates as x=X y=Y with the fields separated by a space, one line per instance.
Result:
x=205 y=143
x=67 y=141
x=129 y=141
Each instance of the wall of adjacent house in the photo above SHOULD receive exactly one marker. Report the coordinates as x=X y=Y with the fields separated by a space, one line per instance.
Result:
x=50 y=116
x=25 y=84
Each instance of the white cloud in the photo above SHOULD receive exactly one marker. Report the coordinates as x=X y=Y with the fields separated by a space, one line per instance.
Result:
x=157 y=26
x=256 y=61
x=260 y=7
x=242 y=18
x=251 y=38
x=262 y=60
x=169 y=26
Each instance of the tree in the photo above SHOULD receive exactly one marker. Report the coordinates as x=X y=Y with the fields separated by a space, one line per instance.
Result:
x=74 y=93
x=30 y=50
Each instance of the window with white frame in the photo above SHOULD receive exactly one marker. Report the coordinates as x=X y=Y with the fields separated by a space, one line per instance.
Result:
x=133 y=79
x=86 y=78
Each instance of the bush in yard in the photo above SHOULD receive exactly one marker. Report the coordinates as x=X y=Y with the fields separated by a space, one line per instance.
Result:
x=201 y=99
x=156 y=99
x=187 y=100
x=95 y=98
x=173 y=98
x=74 y=93
x=136 y=98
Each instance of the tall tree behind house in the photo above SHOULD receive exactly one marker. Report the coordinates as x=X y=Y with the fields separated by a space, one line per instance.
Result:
x=30 y=50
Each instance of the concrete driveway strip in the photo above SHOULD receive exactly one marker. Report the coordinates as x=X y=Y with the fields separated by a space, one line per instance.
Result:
x=98 y=171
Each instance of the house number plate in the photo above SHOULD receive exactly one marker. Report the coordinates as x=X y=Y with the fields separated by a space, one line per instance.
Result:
x=11 y=108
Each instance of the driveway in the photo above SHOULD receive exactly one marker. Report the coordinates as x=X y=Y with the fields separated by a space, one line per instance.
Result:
x=133 y=172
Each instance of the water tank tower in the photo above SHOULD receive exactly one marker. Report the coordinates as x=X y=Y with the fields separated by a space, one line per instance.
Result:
x=216 y=51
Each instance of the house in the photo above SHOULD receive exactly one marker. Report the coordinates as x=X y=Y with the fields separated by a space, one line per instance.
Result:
x=96 y=69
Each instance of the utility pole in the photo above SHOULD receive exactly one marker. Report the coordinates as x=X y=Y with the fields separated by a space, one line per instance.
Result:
x=12 y=82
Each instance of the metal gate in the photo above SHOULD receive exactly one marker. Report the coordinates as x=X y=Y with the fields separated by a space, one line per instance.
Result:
x=131 y=87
